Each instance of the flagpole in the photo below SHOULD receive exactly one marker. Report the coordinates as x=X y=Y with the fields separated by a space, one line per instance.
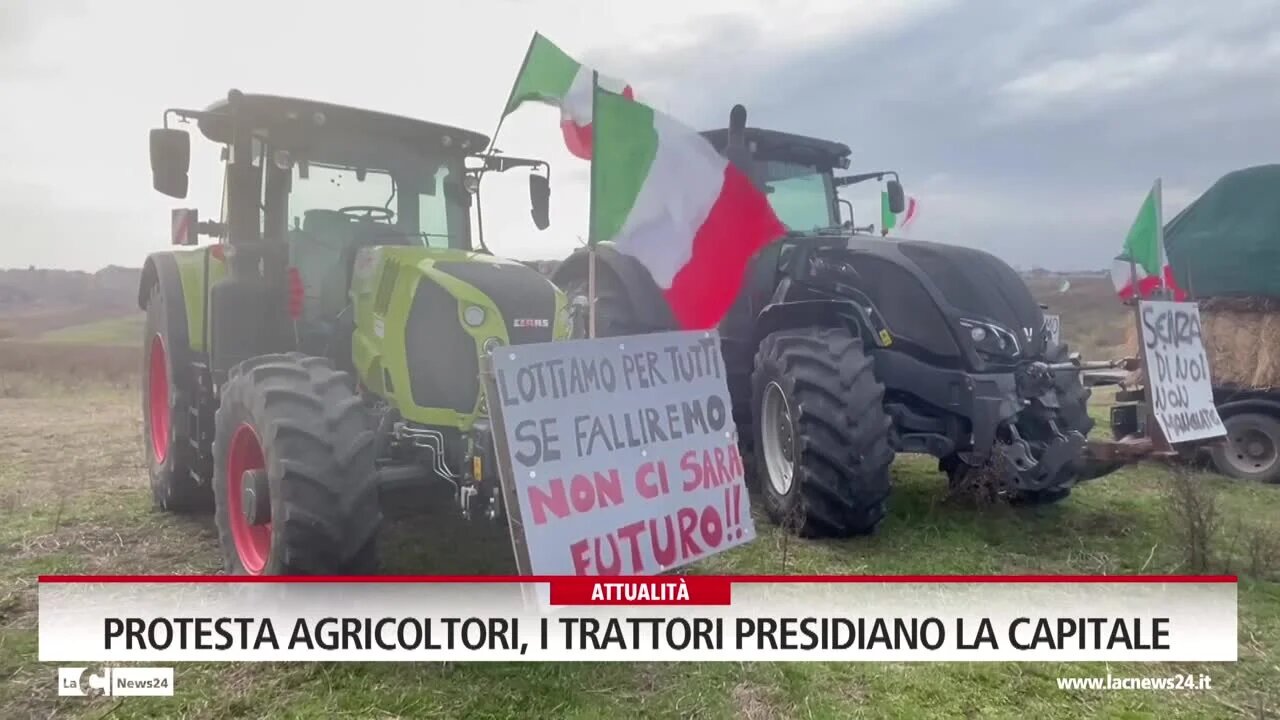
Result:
x=1160 y=263
x=591 y=239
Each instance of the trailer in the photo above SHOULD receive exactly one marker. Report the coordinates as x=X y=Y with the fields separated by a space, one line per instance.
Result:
x=1224 y=249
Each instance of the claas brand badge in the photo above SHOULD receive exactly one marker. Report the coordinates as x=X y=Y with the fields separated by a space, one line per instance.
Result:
x=530 y=323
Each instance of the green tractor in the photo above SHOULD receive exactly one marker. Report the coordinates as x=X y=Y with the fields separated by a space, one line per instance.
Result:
x=319 y=365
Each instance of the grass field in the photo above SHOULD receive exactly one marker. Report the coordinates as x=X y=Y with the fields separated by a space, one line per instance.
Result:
x=74 y=499
x=115 y=331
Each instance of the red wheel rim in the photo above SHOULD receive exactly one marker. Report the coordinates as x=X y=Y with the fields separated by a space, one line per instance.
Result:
x=158 y=394
x=253 y=542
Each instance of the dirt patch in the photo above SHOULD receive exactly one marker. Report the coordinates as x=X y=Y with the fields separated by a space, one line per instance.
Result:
x=754 y=702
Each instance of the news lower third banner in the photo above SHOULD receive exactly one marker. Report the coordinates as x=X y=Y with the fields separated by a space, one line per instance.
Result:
x=689 y=618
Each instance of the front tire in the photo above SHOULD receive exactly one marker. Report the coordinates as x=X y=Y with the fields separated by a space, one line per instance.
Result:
x=289 y=427
x=820 y=433
x=167 y=396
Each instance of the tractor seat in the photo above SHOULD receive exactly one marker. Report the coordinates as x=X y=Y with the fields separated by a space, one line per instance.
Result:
x=319 y=251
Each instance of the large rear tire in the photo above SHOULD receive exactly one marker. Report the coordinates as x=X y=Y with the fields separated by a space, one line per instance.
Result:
x=168 y=391
x=820 y=433
x=289 y=427
x=1251 y=450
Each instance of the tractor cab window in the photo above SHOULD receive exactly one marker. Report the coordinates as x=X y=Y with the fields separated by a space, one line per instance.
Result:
x=801 y=195
x=436 y=222
x=334 y=210
x=335 y=205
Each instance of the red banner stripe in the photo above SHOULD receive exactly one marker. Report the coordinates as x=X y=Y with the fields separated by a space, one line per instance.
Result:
x=779 y=579
x=661 y=590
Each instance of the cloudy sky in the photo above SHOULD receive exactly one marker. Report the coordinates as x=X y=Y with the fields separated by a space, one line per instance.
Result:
x=1031 y=129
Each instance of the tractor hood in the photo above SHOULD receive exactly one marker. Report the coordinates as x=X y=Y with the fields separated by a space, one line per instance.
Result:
x=964 y=283
x=980 y=285
x=429 y=315
x=525 y=299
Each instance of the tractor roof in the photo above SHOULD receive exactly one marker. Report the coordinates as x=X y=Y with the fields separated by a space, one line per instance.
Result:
x=270 y=111
x=776 y=145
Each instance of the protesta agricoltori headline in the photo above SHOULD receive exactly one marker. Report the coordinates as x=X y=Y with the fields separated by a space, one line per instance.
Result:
x=631 y=633
x=629 y=619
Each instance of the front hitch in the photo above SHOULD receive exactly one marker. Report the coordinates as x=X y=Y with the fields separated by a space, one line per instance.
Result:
x=1103 y=457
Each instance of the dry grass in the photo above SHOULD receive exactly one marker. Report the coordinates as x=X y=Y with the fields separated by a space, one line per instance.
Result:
x=31 y=369
x=30 y=322
x=1192 y=507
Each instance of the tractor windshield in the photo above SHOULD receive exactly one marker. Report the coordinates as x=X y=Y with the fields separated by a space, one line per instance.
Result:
x=329 y=203
x=803 y=196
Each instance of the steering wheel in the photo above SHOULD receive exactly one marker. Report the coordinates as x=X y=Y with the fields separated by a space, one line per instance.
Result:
x=368 y=212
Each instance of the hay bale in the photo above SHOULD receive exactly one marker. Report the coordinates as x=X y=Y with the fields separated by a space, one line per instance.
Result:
x=1241 y=338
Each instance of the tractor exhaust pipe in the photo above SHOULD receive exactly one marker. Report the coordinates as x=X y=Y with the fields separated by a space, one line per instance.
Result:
x=737 y=126
x=735 y=146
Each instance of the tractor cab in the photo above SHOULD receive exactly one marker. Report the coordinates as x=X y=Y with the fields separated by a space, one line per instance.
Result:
x=797 y=174
x=338 y=326
x=310 y=184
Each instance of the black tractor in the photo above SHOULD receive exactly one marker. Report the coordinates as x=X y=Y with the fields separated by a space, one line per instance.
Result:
x=845 y=348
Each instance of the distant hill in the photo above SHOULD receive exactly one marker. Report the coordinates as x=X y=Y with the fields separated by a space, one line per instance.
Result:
x=36 y=300
x=1094 y=321
x=67 y=304
x=112 y=286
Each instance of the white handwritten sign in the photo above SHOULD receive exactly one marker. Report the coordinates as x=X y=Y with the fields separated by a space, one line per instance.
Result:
x=1178 y=371
x=623 y=452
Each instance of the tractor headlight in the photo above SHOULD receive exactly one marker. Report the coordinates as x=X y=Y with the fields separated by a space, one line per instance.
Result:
x=991 y=339
x=473 y=315
x=491 y=345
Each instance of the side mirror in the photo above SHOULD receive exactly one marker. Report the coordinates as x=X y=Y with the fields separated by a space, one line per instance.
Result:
x=897 y=199
x=170 y=161
x=540 y=200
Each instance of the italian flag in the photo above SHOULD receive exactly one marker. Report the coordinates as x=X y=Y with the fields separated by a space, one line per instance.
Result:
x=661 y=193
x=1143 y=258
x=550 y=76
x=888 y=220
x=909 y=215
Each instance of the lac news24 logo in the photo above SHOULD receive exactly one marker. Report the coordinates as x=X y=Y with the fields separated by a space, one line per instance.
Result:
x=121 y=681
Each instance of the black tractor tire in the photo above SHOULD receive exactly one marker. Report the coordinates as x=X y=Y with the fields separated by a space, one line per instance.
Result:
x=614 y=314
x=1251 y=450
x=168 y=391
x=316 y=453
x=832 y=410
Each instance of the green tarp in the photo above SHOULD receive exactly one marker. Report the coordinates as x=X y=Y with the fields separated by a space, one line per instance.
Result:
x=1227 y=242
